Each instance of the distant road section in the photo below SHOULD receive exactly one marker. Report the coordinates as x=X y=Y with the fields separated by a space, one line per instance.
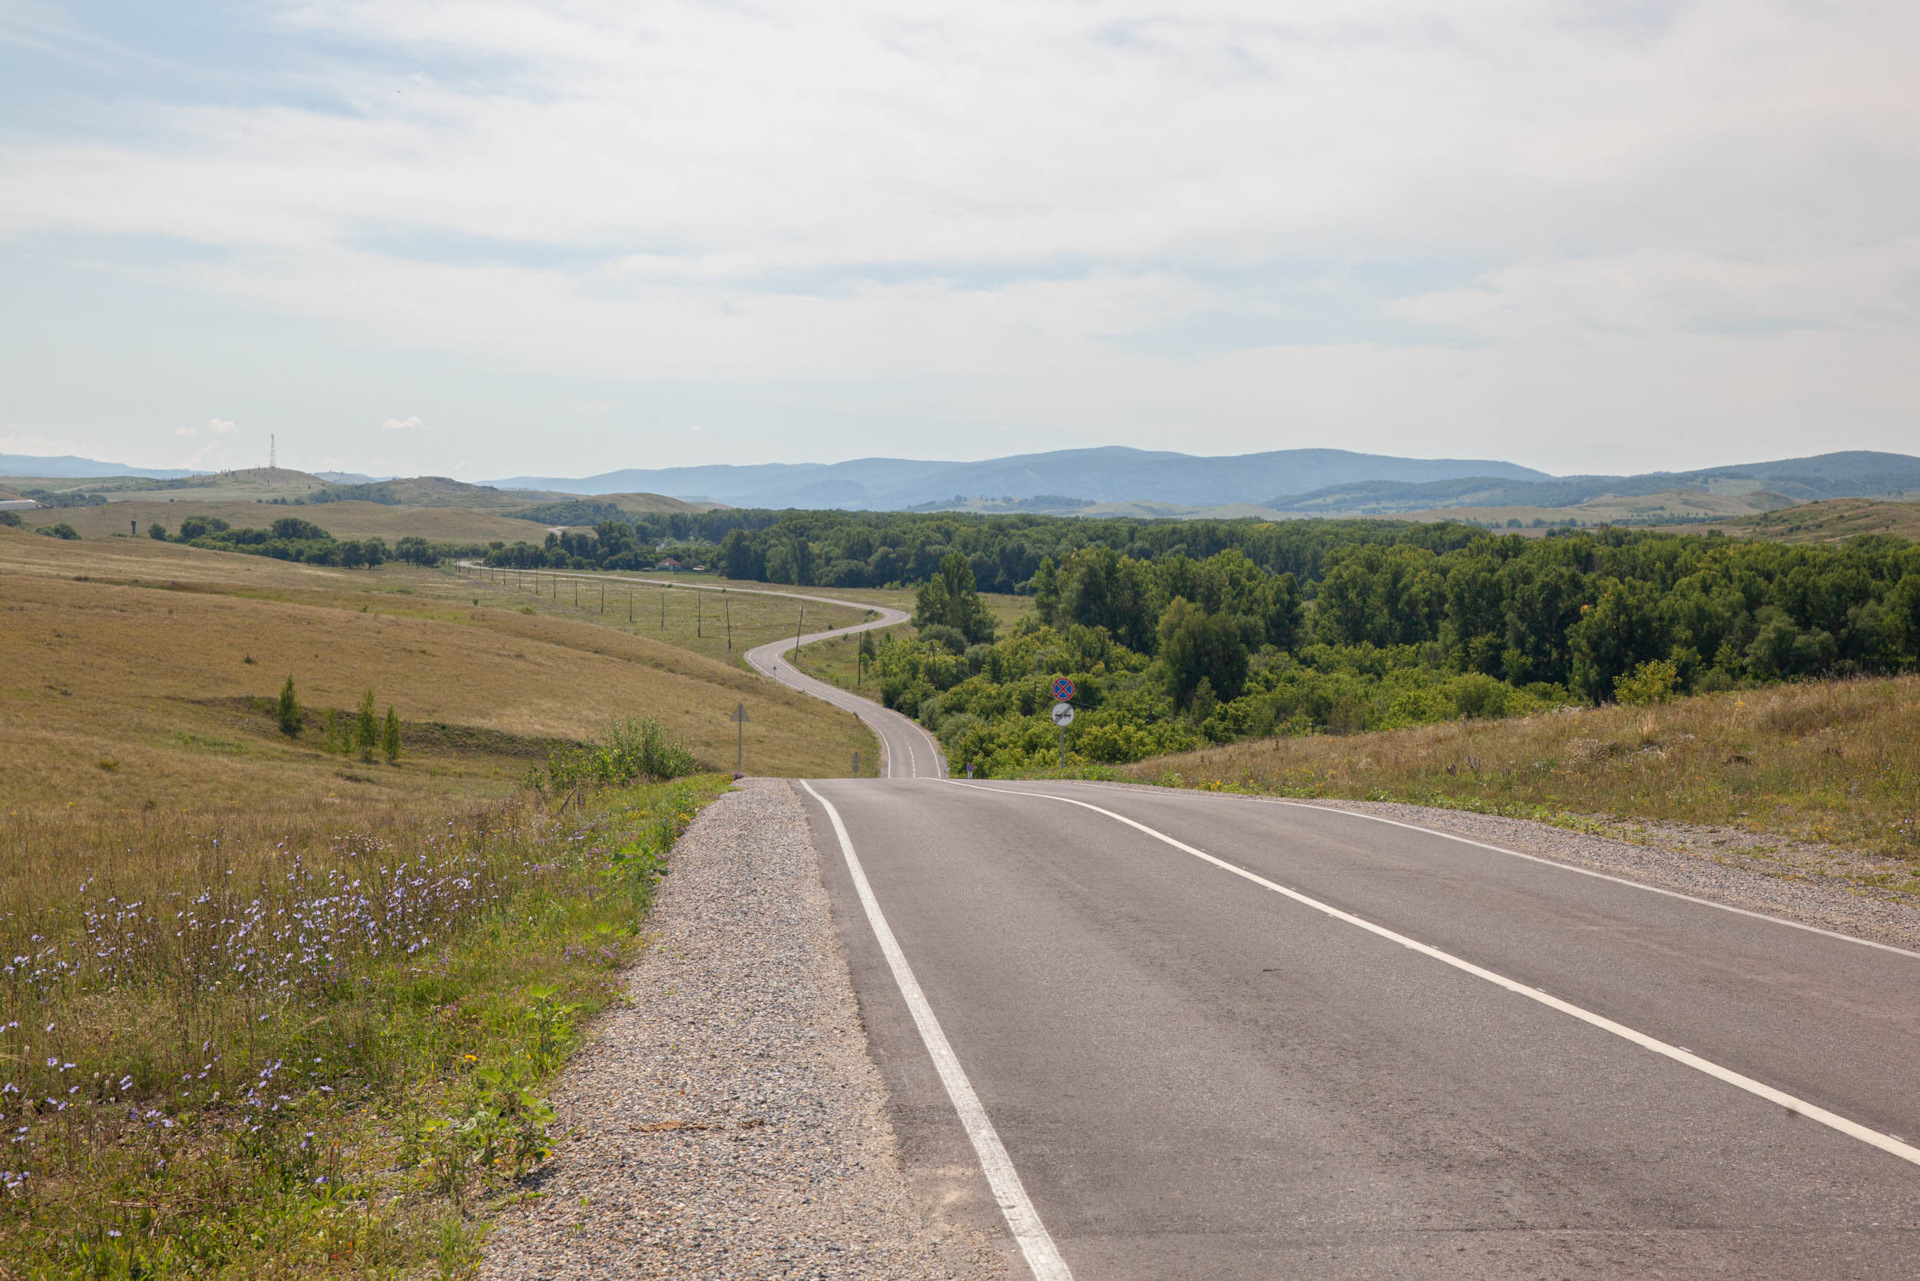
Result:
x=908 y=750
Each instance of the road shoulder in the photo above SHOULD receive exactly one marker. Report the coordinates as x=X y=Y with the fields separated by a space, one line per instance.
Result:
x=729 y=1120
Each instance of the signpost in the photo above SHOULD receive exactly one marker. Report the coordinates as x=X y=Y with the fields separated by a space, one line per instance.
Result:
x=740 y=719
x=1063 y=714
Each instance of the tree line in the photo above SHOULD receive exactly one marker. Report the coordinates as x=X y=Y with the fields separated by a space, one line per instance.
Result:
x=1174 y=651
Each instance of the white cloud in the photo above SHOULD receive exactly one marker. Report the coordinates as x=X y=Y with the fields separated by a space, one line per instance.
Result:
x=1338 y=223
x=221 y=427
x=186 y=431
x=32 y=443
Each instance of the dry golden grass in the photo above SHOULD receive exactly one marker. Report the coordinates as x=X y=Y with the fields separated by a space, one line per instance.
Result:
x=1833 y=521
x=1832 y=761
x=342 y=520
x=120 y=698
x=720 y=625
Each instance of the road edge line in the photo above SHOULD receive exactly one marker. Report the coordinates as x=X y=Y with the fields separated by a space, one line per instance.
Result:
x=1812 y=1111
x=1595 y=873
x=1036 y=1243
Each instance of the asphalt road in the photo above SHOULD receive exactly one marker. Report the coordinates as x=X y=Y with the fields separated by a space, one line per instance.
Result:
x=1197 y=1076
x=1152 y=1034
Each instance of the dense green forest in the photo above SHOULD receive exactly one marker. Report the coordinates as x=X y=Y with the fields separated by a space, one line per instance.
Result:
x=1171 y=652
x=878 y=549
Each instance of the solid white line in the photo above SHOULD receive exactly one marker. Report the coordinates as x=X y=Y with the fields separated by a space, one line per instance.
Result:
x=1603 y=876
x=1545 y=862
x=1813 y=1112
x=1022 y=1219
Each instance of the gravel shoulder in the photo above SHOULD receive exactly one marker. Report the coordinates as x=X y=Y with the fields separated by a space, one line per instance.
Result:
x=728 y=1121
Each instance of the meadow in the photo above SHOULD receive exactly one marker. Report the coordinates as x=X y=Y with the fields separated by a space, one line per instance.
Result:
x=275 y=1008
x=298 y=1044
x=138 y=676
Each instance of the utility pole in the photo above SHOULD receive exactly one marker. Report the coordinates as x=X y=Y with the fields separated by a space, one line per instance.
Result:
x=729 y=608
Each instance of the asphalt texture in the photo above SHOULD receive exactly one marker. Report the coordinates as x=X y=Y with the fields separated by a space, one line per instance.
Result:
x=1196 y=1076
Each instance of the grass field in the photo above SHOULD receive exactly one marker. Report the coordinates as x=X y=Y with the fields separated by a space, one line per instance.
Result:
x=1833 y=521
x=722 y=625
x=296 y=1043
x=283 y=1011
x=1836 y=762
x=134 y=673
x=342 y=520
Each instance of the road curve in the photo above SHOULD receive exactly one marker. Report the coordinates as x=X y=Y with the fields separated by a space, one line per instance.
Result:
x=907 y=749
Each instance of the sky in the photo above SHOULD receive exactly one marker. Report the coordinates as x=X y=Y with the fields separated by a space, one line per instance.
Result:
x=483 y=238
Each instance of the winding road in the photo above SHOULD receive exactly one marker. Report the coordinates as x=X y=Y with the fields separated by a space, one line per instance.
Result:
x=1145 y=1034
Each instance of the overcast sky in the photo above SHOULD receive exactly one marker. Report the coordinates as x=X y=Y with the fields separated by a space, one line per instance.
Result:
x=493 y=237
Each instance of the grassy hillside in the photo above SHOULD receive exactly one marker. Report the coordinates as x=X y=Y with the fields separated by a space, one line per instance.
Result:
x=134 y=666
x=343 y=520
x=1617 y=509
x=1833 y=521
x=1827 y=761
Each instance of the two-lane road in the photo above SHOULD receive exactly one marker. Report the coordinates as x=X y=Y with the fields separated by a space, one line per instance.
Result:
x=1149 y=1034
x=1195 y=1073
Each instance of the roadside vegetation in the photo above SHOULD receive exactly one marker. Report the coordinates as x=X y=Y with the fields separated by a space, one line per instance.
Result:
x=297 y=1043
x=1171 y=654
x=1835 y=762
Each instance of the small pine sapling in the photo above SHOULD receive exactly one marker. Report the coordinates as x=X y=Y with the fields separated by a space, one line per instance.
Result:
x=366 y=728
x=390 y=737
x=289 y=712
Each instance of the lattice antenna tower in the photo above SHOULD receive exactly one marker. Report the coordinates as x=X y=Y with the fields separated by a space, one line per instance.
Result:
x=273 y=452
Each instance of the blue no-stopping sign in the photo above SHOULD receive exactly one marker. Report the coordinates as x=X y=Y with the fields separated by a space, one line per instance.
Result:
x=1063 y=689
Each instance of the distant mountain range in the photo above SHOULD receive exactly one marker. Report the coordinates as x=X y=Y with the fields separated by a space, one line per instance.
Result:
x=1292 y=481
x=1119 y=480
x=1854 y=474
x=68 y=467
x=1105 y=475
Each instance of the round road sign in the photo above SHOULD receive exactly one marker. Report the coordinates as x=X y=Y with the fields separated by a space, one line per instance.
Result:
x=1063 y=714
x=1063 y=688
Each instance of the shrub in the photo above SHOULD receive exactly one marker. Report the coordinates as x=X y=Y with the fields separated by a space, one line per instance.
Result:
x=390 y=737
x=1647 y=684
x=10 y=518
x=61 y=530
x=632 y=749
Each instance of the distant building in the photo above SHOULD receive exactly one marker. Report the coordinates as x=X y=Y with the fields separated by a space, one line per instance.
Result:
x=670 y=565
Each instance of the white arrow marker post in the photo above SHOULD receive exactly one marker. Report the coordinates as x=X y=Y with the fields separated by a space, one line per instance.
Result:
x=740 y=719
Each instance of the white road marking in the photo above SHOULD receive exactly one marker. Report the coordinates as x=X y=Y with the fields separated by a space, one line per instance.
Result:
x=1548 y=862
x=1043 y=1257
x=1813 y=1112
x=1602 y=876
